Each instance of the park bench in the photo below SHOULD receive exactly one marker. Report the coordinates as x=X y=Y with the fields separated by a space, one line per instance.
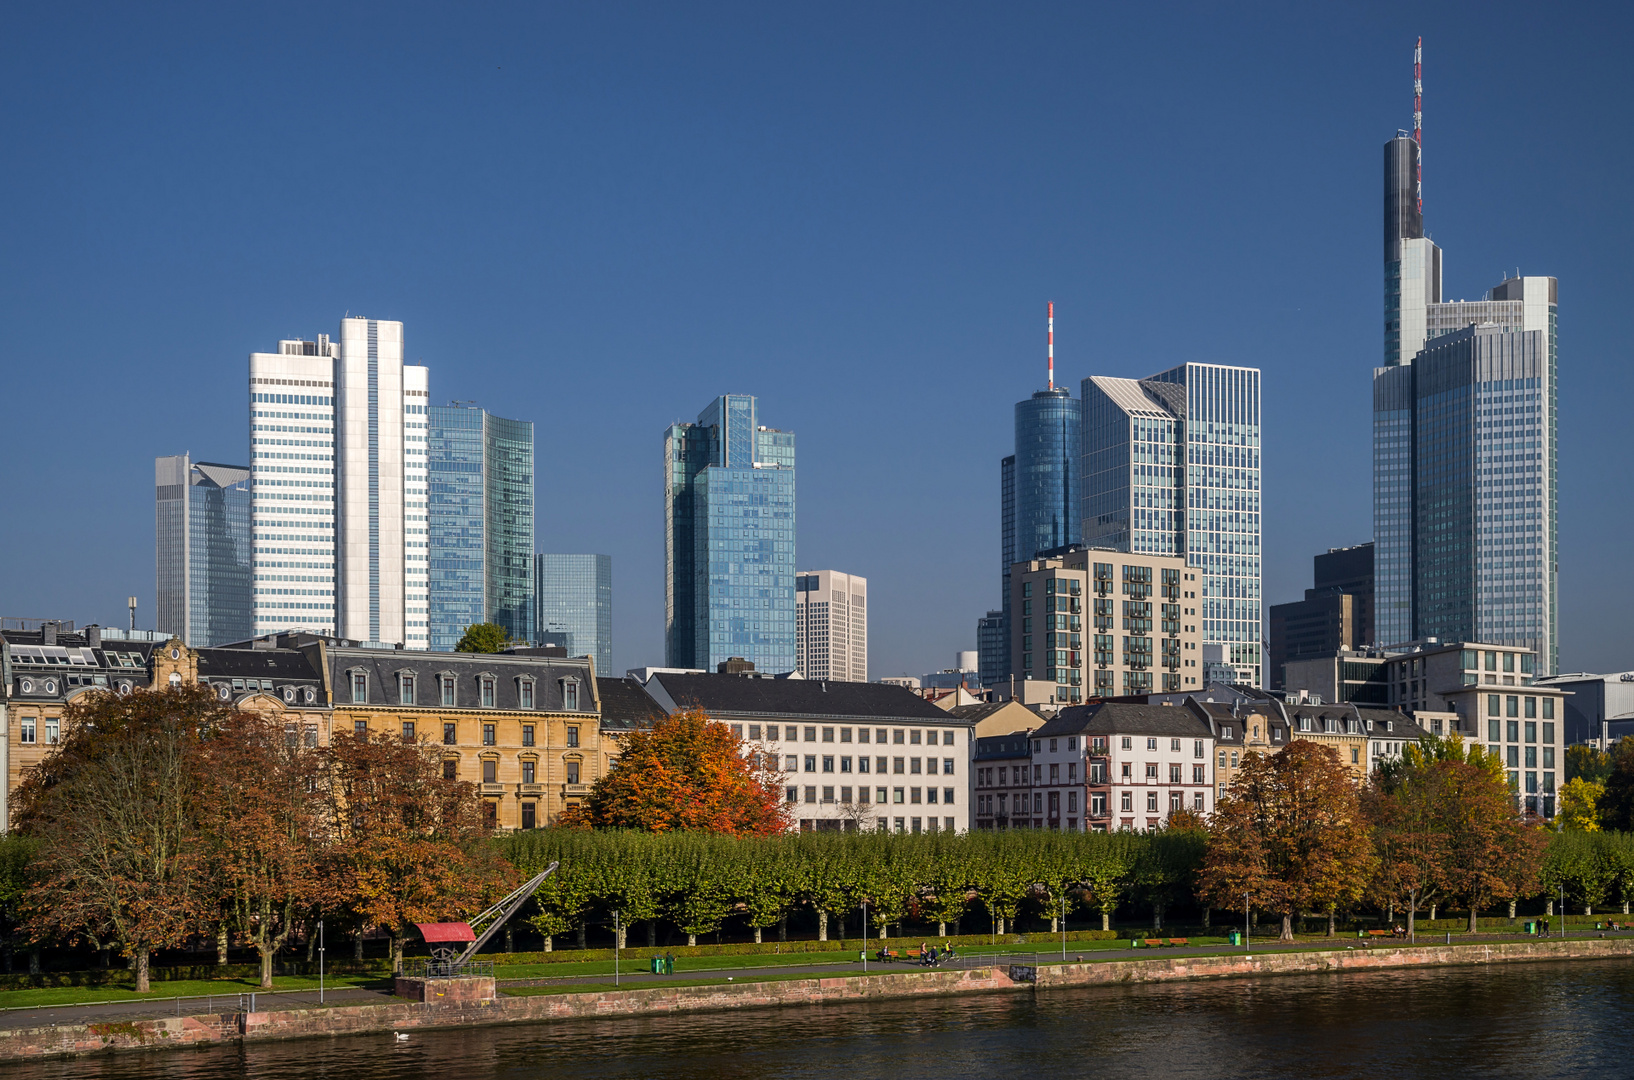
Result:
x=1179 y=941
x=1152 y=942
x=1380 y=933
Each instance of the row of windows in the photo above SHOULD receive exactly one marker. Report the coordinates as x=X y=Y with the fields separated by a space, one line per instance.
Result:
x=1510 y=704
x=792 y=763
x=451 y=733
x=865 y=796
x=1510 y=731
x=1050 y=802
x=448 y=691
x=530 y=773
x=791 y=733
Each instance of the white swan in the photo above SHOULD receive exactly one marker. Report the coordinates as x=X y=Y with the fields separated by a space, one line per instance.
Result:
x=399 y=1036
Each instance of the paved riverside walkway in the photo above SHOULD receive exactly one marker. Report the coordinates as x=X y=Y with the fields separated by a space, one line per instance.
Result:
x=233 y=1003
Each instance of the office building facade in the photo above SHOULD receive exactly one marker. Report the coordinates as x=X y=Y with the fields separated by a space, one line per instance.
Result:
x=202 y=560
x=480 y=523
x=831 y=625
x=1336 y=614
x=729 y=540
x=1099 y=622
x=338 y=469
x=574 y=605
x=1172 y=467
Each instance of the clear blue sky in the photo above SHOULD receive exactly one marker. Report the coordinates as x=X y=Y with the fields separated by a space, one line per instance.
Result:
x=600 y=216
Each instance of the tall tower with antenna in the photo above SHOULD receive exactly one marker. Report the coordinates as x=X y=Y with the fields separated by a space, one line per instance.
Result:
x=1418 y=119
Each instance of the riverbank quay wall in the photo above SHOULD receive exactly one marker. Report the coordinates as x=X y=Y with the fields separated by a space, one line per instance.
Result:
x=191 y=1031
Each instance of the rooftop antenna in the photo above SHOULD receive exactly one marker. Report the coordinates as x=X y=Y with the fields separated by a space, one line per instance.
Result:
x=1052 y=344
x=1418 y=116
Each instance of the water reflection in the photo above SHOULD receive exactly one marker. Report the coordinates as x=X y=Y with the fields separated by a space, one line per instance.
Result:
x=1526 y=1020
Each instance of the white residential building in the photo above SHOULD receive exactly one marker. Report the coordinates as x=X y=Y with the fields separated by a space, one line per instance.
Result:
x=831 y=625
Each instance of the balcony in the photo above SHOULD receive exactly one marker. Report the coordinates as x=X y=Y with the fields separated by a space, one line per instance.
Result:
x=530 y=789
x=575 y=789
x=491 y=789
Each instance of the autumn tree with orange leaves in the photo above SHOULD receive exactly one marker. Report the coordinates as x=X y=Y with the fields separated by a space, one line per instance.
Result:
x=1289 y=835
x=687 y=773
x=407 y=842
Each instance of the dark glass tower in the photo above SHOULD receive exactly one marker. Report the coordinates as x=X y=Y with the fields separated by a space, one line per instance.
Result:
x=1042 y=504
x=202 y=520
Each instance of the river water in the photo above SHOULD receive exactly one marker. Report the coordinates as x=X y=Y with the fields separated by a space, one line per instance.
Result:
x=1536 y=1021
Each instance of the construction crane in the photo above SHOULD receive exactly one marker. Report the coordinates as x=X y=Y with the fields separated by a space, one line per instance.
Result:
x=443 y=937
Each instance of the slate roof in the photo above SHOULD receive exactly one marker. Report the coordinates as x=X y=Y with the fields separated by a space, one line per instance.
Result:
x=975 y=714
x=1119 y=718
x=738 y=695
x=1004 y=747
x=625 y=705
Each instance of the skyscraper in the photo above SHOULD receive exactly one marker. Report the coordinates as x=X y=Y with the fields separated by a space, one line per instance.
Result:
x=202 y=550
x=729 y=540
x=1040 y=488
x=480 y=523
x=831 y=625
x=574 y=604
x=1172 y=467
x=1464 y=445
x=337 y=457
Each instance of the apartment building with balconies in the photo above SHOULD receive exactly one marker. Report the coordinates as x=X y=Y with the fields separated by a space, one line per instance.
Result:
x=1100 y=623
x=1113 y=765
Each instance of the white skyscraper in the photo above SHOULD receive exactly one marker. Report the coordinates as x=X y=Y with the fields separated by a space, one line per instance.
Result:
x=831 y=625
x=339 y=469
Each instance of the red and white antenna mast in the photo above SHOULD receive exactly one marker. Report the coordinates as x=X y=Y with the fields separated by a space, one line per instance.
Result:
x=1418 y=117
x=1052 y=344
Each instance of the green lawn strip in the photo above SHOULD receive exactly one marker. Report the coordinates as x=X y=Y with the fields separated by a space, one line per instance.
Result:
x=590 y=988
x=222 y=988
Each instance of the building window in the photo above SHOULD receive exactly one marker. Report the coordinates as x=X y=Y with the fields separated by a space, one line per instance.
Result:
x=408 y=730
x=487 y=692
x=1126 y=803
x=1151 y=802
x=25 y=729
x=1174 y=773
x=405 y=687
x=570 y=695
x=528 y=772
x=1548 y=708
x=447 y=682
x=360 y=727
x=52 y=728
x=791 y=794
x=529 y=815
x=450 y=769
x=572 y=772
x=490 y=772
x=527 y=736
x=449 y=733
x=487 y=734
x=525 y=694
x=360 y=688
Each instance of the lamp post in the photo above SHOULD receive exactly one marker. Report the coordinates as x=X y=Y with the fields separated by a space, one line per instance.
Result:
x=1063 y=927
x=617 y=940
x=865 y=937
x=1245 y=922
x=320 y=961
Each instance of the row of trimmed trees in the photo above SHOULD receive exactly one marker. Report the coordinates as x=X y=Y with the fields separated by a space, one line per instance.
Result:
x=697 y=881
x=168 y=817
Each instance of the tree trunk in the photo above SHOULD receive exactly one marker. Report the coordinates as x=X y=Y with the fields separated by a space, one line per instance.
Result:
x=783 y=928
x=357 y=944
x=692 y=939
x=266 y=952
x=1412 y=912
x=396 y=952
x=1550 y=910
x=757 y=935
x=1001 y=924
x=1588 y=909
x=1207 y=911
x=1331 y=915
x=941 y=929
x=1512 y=910
x=1287 y=926
x=652 y=934
x=510 y=941
x=1432 y=911
x=1106 y=919
x=584 y=940
x=882 y=930
x=141 y=958
x=822 y=925
x=221 y=945
x=5 y=955
x=623 y=938
x=1055 y=924
x=33 y=959
x=1472 y=922
x=1157 y=916
x=550 y=943
x=1625 y=908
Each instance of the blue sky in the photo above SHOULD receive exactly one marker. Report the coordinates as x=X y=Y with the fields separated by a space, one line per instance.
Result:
x=598 y=217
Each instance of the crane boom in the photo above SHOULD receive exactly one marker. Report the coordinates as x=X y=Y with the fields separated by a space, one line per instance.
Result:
x=502 y=911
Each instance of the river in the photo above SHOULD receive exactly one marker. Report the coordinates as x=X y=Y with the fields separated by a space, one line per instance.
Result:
x=1536 y=1021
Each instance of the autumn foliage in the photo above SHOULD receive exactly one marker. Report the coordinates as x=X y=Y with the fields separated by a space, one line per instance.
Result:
x=687 y=773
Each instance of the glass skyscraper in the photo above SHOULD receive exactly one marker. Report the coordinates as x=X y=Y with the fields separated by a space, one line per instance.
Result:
x=480 y=527
x=1171 y=466
x=202 y=549
x=1464 y=447
x=574 y=605
x=729 y=540
x=1041 y=497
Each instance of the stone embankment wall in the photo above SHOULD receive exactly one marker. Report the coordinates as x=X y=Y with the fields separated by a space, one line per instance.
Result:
x=403 y=1016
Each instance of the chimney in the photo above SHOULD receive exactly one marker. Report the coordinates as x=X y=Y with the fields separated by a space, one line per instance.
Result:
x=93 y=636
x=48 y=632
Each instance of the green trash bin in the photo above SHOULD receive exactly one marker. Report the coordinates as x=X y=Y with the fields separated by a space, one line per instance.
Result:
x=1531 y=926
x=1236 y=937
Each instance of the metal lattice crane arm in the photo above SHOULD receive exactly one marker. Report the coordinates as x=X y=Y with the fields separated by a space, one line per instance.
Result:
x=495 y=916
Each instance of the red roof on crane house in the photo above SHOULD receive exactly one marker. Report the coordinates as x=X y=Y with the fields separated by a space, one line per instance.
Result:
x=438 y=932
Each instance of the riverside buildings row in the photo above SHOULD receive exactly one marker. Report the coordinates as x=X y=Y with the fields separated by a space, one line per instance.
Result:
x=368 y=513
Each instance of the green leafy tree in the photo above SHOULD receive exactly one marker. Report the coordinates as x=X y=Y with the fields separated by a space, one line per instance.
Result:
x=1588 y=762
x=1580 y=805
x=1617 y=804
x=483 y=637
x=17 y=854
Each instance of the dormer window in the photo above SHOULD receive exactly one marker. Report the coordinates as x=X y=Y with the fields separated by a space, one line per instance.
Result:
x=405 y=689
x=524 y=693
x=1225 y=732
x=487 y=685
x=1304 y=723
x=360 y=688
x=446 y=684
x=570 y=695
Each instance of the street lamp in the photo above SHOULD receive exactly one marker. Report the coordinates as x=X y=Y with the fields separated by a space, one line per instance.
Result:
x=1063 y=927
x=617 y=940
x=1245 y=922
x=865 y=937
x=320 y=961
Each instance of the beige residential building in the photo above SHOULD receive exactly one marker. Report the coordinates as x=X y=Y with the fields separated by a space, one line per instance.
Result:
x=1099 y=623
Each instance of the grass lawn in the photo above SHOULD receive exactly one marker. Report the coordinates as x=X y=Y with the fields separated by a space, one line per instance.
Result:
x=720 y=980
x=75 y=995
